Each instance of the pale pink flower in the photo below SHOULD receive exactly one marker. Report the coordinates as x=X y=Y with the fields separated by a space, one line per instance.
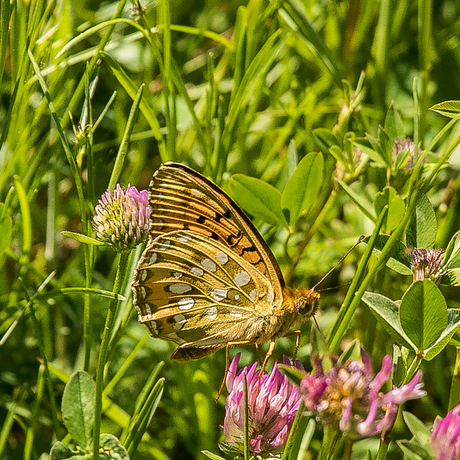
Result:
x=445 y=439
x=121 y=218
x=273 y=402
x=348 y=396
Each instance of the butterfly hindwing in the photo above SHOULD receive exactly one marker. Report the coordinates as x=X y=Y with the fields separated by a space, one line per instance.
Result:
x=191 y=289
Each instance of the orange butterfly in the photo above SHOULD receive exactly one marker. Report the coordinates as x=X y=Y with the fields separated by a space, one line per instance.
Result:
x=207 y=279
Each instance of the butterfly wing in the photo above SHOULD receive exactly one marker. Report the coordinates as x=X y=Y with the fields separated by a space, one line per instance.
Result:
x=180 y=198
x=195 y=291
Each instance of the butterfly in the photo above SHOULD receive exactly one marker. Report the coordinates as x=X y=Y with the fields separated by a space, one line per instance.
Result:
x=207 y=279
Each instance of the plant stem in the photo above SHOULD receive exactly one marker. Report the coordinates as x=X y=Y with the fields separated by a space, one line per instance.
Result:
x=246 y=419
x=109 y=323
x=330 y=439
x=292 y=433
x=455 y=385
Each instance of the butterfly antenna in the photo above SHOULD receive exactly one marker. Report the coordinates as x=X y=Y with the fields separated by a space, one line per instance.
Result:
x=361 y=238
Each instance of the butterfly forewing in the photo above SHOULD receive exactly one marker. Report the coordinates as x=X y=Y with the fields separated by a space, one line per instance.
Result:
x=188 y=285
x=207 y=279
x=180 y=198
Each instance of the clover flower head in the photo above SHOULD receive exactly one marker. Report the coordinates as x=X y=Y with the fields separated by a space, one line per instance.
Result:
x=273 y=402
x=405 y=144
x=426 y=264
x=445 y=439
x=348 y=396
x=121 y=218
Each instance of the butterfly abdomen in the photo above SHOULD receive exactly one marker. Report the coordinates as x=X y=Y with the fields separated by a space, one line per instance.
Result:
x=188 y=354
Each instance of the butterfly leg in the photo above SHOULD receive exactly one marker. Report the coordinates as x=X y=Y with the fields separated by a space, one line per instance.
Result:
x=267 y=355
x=271 y=347
x=227 y=363
x=297 y=344
x=297 y=334
x=259 y=357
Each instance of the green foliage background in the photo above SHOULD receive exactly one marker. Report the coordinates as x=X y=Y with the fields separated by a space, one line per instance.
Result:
x=226 y=87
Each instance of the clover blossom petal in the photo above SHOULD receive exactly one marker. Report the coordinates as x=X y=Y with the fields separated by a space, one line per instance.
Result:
x=348 y=396
x=426 y=264
x=445 y=439
x=121 y=218
x=410 y=391
x=273 y=402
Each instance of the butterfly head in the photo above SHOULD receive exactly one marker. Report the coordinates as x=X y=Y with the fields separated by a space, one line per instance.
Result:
x=303 y=302
x=306 y=301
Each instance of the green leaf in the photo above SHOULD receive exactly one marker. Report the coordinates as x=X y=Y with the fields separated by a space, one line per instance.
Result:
x=80 y=290
x=303 y=187
x=26 y=219
x=111 y=447
x=140 y=422
x=338 y=155
x=449 y=109
x=358 y=199
x=422 y=228
x=396 y=207
x=292 y=373
x=387 y=312
x=78 y=407
x=292 y=159
x=401 y=159
x=131 y=89
x=400 y=364
x=326 y=140
x=451 y=277
x=351 y=353
x=453 y=322
x=211 y=455
x=423 y=313
x=385 y=145
x=413 y=451
x=5 y=228
x=452 y=254
x=61 y=451
x=258 y=198
x=394 y=125
x=421 y=433
x=4 y=32
x=82 y=238
x=372 y=154
x=399 y=261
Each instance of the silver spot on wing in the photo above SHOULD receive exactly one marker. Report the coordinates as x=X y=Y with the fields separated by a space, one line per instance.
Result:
x=235 y=314
x=242 y=278
x=211 y=313
x=186 y=303
x=222 y=258
x=197 y=271
x=219 y=294
x=179 y=288
x=165 y=245
x=209 y=265
x=179 y=322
